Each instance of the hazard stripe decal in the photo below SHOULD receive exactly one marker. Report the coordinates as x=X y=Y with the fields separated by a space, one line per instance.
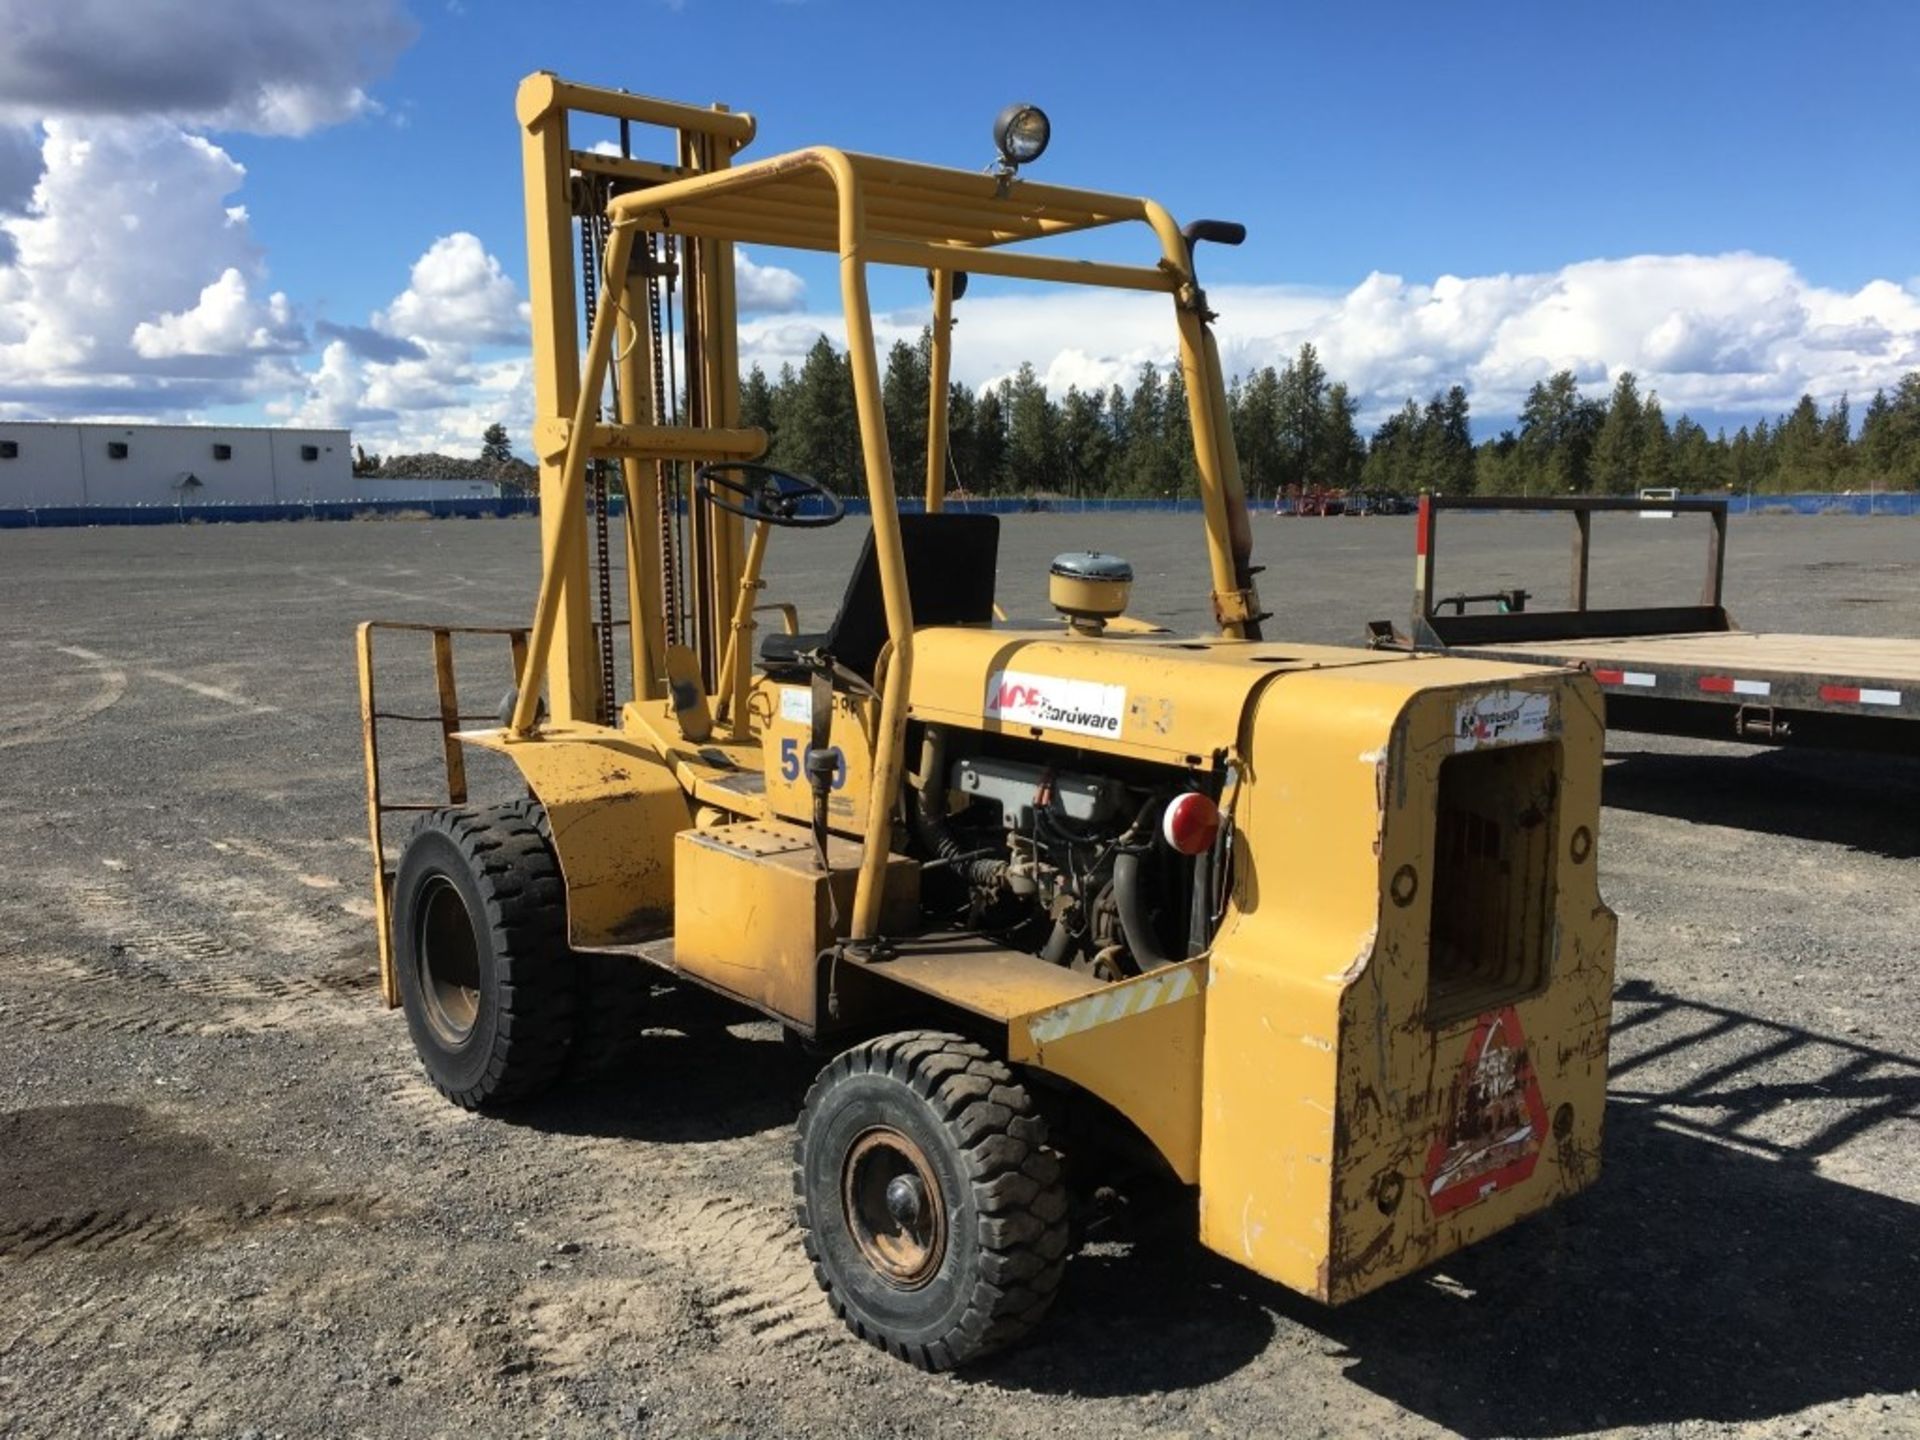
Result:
x=1855 y=695
x=1110 y=1005
x=1727 y=685
x=1638 y=678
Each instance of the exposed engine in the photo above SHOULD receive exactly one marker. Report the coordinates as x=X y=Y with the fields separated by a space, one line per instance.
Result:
x=1114 y=873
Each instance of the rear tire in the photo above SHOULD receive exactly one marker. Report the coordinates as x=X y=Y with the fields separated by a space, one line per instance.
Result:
x=480 y=941
x=929 y=1202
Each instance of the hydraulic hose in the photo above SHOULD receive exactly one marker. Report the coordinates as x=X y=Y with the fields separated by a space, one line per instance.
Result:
x=927 y=814
x=1130 y=901
x=1059 y=944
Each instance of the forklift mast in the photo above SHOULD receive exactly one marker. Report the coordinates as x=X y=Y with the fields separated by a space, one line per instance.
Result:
x=683 y=560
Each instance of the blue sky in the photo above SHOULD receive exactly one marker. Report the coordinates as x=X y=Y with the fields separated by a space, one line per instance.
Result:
x=1719 y=196
x=1416 y=139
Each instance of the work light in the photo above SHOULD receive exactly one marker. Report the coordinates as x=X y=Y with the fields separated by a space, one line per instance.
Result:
x=1021 y=133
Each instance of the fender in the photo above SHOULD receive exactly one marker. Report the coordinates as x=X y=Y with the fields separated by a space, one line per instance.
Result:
x=614 y=808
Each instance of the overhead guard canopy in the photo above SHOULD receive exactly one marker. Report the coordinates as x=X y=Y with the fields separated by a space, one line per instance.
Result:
x=892 y=212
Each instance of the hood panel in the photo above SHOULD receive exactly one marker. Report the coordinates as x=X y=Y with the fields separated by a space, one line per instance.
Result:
x=1163 y=697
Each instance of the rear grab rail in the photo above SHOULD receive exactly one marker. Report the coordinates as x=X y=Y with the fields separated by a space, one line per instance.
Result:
x=1432 y=628
x=449 y=720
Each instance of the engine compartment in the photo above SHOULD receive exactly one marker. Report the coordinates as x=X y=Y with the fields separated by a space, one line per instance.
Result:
x=1069 y=855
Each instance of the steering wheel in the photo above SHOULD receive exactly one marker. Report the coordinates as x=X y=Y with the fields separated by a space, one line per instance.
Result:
x=770 y=496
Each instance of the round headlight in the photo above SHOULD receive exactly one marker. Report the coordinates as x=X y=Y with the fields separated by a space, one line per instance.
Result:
x=1021 y=133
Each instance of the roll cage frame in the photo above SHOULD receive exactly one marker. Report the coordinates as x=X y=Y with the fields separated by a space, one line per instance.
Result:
x=869 y=211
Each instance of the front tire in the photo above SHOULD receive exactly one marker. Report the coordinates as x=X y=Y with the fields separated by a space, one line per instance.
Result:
x=931 y=1206
x=610 y=992
x=480 y=941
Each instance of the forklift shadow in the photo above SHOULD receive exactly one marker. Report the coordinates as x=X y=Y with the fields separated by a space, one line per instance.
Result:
x=1865 y=802
x=704 y=1070
x=1713 y=1274
x=1696 y=1283
x=1154 y=1316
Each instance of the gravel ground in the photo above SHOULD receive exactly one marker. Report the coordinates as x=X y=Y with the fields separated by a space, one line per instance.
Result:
x=231 y=1206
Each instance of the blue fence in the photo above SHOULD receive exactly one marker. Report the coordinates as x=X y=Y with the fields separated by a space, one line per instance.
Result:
x=472 y=508
x=1032 y=505
x=51 y=516
x=1894 y=503
x=1898 y=503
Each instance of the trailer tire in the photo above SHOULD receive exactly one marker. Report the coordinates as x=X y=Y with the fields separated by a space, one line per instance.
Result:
x=929 y=1202
x=480 y=942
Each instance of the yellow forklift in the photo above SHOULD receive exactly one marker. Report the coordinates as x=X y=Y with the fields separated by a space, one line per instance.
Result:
x=1314 y=928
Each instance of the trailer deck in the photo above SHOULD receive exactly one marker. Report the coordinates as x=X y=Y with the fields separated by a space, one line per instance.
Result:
x=1675 y=669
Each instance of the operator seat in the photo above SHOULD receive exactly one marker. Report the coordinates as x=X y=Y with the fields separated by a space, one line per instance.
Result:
x=950 y=560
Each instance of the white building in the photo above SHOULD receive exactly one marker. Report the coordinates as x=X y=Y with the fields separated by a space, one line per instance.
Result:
x=89 y=464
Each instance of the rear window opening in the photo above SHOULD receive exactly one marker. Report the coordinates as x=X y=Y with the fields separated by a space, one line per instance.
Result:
x=1495 y=872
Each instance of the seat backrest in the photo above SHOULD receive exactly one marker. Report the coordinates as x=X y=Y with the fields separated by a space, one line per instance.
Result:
x=951 y=565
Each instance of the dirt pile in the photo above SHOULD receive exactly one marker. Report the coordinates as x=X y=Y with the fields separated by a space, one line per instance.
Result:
x=511 y=474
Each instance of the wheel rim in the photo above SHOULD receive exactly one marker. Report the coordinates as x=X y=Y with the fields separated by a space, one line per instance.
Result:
x=894 y=1209
x=448 y=959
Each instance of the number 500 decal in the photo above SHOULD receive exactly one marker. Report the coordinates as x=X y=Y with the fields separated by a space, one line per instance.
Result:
x=790 y=766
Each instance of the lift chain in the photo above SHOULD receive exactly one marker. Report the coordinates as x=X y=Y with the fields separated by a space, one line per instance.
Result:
x=593 y=233
x=667 y=478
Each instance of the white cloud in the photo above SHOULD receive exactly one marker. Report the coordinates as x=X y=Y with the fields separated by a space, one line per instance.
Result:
x=129 y=279
x=335 y=393
x=757 y=289
x=276 y=67
x=1112 y=334
x=1730 y=334
x=442 y=402
x=1712 y=333
x=131 y=283
x=226 y=321
x=765 y=288
x=128 y=284
x=458 y=294
x=447 y=404
x=419 y=379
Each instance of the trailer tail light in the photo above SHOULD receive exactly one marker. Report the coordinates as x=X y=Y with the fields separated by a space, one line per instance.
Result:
x=1190 y=823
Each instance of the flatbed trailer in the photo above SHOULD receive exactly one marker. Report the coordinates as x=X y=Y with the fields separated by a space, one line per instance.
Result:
x=1673 y=669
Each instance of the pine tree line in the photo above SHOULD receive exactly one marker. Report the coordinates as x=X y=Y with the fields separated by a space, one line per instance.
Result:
x=1296 y=427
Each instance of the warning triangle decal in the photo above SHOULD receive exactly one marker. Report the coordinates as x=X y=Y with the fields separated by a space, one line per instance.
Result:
x=1496 y=1123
